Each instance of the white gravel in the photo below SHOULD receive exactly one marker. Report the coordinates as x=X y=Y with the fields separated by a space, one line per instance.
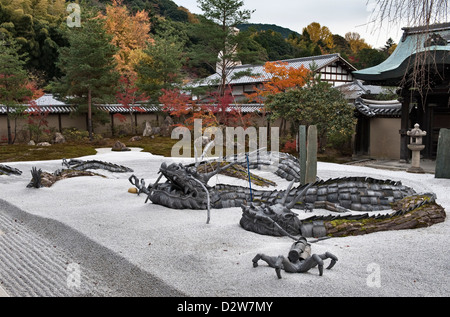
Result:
x=127 y=247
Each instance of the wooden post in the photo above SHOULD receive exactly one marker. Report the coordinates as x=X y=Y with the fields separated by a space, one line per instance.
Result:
x=89 y=114
x=112 y=123
x=59 y=122
x=406 y=100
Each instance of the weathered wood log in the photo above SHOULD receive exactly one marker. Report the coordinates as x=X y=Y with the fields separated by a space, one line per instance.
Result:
x=236 y=171
x=423 y=216
x=48 y=179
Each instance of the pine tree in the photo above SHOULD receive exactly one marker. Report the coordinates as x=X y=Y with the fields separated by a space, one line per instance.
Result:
x=218 y=39
x=13 y=81
x=161 y=69
x=88 y=65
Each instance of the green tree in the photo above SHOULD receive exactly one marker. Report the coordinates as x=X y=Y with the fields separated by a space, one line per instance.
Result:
x=368 y=57
x=13 y=80
x=217 y=36
x=276 y=46
x=304 y=45
x=161 y=68
x=35 y=25
x=89 y=71
x=310 y=104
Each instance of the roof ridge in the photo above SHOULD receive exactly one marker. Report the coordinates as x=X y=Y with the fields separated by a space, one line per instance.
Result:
x=427 y=28
x=306 y=58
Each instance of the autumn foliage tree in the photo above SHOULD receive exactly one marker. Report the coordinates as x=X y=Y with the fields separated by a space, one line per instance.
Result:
x=219 y=111
x=317 y=103
x=130 y=34
x=179 y=105
x=128 y=95
x=356 y=42
x=320 y=33
x=282 y=77
x=37 y=120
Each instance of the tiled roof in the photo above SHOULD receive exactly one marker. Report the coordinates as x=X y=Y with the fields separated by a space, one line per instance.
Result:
x=259 y=75
x=377 y=108
x=434 y=40
x=46 y=103
x=246 y=108
x=49 y=100
x=118 y=108
x=50 y=109
x=357 y=88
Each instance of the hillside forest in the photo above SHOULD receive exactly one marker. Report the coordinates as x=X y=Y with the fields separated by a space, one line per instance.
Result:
x=152 y=26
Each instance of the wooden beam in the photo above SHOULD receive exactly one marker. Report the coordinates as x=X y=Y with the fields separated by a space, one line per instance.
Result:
x=406 y=100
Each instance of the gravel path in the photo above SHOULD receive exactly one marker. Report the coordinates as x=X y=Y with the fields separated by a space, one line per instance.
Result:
x=125 y=247
x=34 y=264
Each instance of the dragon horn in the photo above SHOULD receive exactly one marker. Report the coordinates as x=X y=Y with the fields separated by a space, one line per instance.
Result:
x=299 y=196
x=283 y=201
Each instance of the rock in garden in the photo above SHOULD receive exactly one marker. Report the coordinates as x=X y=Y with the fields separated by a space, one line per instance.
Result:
x=156 y=130
x=147 y=130
x=59 y=138
x=136 y=138
x=119 y=146
x=167 y=126
x=43 y=144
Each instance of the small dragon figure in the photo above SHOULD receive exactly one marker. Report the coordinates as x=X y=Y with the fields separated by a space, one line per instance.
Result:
x=299 y=259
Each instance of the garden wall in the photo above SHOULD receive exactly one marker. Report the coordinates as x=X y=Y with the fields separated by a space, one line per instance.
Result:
x=384 y=138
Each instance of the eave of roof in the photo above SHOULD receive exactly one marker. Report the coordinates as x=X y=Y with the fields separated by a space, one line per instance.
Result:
x=377 y=108
x=49 y=109
x=393 y=69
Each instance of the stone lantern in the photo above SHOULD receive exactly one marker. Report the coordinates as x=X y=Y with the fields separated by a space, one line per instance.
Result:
x=415 y=145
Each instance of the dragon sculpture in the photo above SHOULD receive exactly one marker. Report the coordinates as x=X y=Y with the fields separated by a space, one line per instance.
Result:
x=8 y=170
x=74 y=168
x=299 y=259
x=270 y=211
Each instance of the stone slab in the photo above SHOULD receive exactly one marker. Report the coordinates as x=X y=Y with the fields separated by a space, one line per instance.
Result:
x=302 y=152
x=311 y=155
x=443 y=155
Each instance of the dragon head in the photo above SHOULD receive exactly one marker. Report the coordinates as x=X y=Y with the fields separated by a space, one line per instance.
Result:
x=267 y=219
x=181 y=178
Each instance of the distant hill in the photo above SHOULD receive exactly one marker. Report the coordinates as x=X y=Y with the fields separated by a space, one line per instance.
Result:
x=168 y=8
x=264 y=27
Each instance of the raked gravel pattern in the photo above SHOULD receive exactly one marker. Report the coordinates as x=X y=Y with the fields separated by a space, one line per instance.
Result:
x=36 y=267
x=126 y=247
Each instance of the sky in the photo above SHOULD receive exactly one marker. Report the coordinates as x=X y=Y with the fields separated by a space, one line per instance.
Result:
x=340 y=16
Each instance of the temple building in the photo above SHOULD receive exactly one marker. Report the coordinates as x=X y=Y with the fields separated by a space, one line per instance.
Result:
x=420 y=68
x=332 y=68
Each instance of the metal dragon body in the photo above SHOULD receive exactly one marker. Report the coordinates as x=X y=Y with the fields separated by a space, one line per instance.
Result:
x=270 y=211
x=74 y=168
x=8 y=170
